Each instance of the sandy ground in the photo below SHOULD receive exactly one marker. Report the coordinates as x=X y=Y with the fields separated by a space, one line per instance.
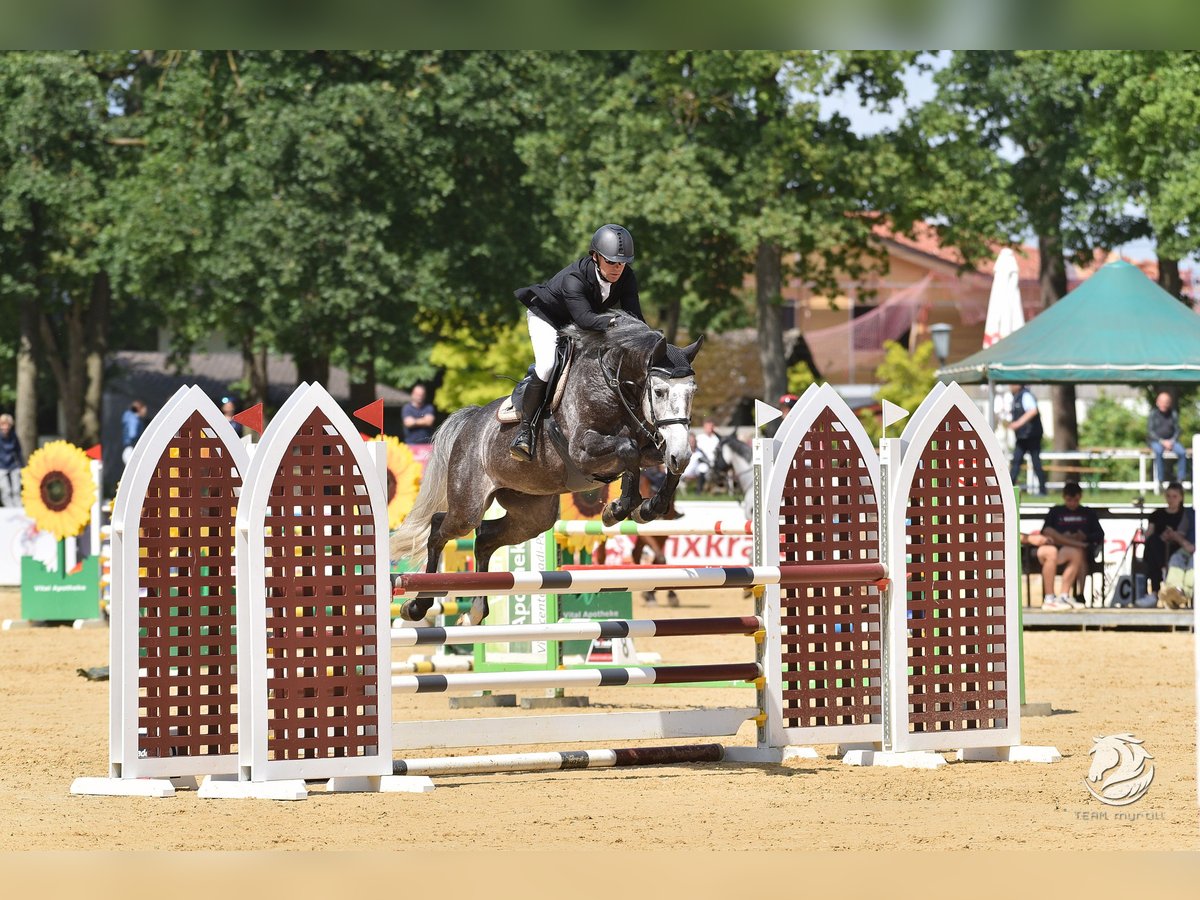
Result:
x=54 y=727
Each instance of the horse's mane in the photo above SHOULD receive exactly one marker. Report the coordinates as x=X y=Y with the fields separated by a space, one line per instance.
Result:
x=627 y=333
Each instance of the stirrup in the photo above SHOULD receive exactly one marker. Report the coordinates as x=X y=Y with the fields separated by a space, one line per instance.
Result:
x=521 y=449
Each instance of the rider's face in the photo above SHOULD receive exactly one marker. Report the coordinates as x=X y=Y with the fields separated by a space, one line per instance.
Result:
x=609 y=271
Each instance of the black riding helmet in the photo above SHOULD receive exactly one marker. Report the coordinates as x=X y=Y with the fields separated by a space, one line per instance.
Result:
x=614 y=243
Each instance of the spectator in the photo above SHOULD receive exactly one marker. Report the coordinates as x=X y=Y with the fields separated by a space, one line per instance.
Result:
x=133 y=423
x=229 y=409
x=1069 y=537
x=704 y=447
x=1162 y=429
x=12 y=461
x=1027 y=427
x=696 y=473
x=708 y=442
x=1170 y=529
x=418 y=417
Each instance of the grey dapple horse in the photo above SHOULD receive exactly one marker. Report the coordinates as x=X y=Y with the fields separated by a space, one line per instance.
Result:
x=626 y=404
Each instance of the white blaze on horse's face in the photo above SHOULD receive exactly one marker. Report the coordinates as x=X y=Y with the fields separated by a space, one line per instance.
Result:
x=671 y=398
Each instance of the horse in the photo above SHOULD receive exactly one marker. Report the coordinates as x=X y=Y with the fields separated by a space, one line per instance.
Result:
x=626 y=405
x=654 y=544
x=735 y=463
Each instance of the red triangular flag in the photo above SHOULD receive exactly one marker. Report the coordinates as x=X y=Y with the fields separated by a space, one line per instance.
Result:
x=93 y=452
x=372 y=414
x=251 y=418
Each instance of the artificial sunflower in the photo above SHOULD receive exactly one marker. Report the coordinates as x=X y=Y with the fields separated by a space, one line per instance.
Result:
x=583 y=505
x=403 y=480
x=57 y=489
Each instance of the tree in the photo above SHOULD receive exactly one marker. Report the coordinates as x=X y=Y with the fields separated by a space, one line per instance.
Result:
x=722 y=166
x=345 y=204
x=1144 y=121
x=1030 y=112
x=57 y=166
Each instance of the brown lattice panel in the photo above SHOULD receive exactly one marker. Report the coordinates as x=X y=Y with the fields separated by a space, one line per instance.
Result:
x=322 y=646
x=956 y=626
x=830 y=633
x=188 y=681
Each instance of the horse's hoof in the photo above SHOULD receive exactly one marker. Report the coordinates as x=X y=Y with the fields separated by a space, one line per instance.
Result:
x=608 y=516
x=643 y=513
x=410 y=611
x=476 y=614
x=672 y=598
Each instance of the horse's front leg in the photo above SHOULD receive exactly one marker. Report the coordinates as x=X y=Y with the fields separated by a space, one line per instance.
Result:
x=625 y=504
x=658 y=505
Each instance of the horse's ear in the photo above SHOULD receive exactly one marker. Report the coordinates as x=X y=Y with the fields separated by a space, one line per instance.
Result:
x=658 y=356
x=693 y=348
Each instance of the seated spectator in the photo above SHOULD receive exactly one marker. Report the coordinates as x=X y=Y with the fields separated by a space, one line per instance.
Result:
x=1069 y=538
x=1162 y=429
x=1169 y=530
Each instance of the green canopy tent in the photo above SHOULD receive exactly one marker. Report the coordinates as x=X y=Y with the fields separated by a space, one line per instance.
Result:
x=1118 y=327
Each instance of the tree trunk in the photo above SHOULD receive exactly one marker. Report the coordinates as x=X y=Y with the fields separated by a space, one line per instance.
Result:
x=1170 y=280
x=768 y=288
x=1052 y=276
x=313 y=368
x=65 y=358
x=254 y=371
x=670 y=323
x=362 y=383
x=27 y=376
x=97 y=353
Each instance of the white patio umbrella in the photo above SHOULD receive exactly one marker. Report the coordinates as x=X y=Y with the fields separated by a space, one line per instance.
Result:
x=1004 y=313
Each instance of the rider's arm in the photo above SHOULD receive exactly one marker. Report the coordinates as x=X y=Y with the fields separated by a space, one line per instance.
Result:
x=580 y=307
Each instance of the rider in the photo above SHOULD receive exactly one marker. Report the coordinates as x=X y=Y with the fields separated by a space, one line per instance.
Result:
x=584 y=293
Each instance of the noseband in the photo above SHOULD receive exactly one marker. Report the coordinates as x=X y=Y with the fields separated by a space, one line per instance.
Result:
x=654 y=436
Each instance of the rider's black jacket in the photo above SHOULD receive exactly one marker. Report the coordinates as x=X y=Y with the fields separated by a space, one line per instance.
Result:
x=573 y=295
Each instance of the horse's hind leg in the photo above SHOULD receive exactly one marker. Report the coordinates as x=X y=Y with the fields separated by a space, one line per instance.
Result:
x=466 y=510
x=527 y=517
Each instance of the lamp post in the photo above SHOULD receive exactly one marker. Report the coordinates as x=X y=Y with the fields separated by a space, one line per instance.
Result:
x=939 y=333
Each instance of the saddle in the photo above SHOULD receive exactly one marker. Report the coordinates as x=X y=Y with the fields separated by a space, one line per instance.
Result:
x=510 y=410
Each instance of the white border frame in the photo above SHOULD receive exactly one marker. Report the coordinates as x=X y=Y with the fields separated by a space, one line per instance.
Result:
x=776 y=459
x=253 y=761
x=920 y=431
x=124 y=665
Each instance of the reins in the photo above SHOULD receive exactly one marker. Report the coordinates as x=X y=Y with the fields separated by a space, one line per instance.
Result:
x=613 y=380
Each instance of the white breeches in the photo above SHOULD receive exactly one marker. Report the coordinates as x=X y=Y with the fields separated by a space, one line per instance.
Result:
x=544 y=337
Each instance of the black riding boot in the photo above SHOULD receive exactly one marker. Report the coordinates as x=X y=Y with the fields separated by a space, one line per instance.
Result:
x=531 y=401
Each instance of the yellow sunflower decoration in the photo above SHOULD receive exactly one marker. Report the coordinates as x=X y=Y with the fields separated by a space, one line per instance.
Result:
x=403 y=480
x=583 y=505
x=57 y=489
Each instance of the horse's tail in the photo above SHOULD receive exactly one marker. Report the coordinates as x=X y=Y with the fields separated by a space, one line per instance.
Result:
x=410 y=541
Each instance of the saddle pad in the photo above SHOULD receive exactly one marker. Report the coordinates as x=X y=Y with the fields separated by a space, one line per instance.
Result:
x=507 y=413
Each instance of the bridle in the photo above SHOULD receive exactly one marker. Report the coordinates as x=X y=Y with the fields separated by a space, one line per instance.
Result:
x=640 y=424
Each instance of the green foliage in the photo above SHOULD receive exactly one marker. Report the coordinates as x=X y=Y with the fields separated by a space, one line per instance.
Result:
x=1112 y=424
x=480 y=364
x=350 y=207
x=800 y=376
x=905 y=378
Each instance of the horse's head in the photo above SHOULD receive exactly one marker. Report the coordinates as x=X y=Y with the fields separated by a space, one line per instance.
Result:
x=670 y=386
